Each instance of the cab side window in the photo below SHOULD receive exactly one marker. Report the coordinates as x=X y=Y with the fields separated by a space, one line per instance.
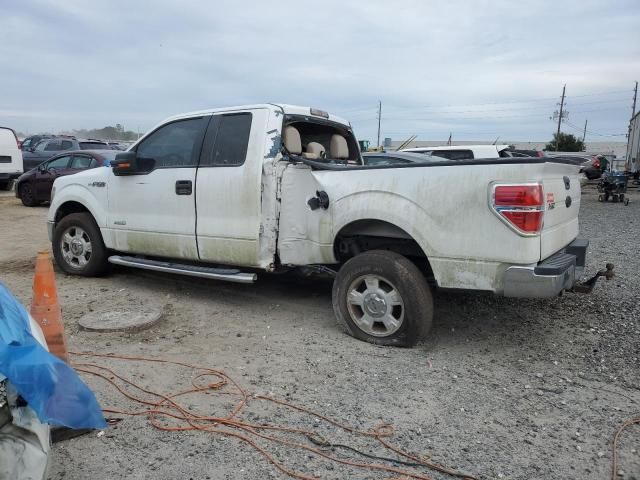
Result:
x=175 y=144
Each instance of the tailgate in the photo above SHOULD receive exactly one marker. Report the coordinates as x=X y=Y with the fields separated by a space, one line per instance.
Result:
x=561 y=186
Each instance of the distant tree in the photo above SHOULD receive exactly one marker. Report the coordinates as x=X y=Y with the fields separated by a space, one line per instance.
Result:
x=106 y=133
x=565 y=142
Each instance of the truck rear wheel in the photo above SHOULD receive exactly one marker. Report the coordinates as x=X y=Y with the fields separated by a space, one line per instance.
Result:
x=78 y=247
x=381 y=297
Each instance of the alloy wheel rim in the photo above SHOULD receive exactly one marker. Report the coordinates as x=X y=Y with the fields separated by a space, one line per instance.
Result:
x=76 y=247
x=375 y=305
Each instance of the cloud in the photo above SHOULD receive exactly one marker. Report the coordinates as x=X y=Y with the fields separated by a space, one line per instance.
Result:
x=81 y=63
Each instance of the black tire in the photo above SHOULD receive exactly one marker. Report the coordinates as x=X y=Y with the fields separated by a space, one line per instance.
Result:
x=96 y=260
x=6 y=185
x=28 y=196
x=394 y=271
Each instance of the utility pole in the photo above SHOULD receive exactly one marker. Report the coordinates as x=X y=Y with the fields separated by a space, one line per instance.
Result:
x=379 y=120
x=585 y=130
x=560 y=117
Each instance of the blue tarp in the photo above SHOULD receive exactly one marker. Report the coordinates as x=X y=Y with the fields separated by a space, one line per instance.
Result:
x=51 y=387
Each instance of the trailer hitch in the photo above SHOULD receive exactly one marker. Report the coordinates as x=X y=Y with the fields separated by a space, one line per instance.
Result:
x=586 y=287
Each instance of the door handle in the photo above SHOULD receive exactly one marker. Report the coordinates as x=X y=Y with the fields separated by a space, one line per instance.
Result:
x=184 y=187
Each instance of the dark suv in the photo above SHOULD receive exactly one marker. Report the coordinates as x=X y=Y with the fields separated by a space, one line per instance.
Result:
x=47 y=148
x=32 y=140
x=34 y=186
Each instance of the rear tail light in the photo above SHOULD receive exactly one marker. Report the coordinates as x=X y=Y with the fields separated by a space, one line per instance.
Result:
x=521 y=207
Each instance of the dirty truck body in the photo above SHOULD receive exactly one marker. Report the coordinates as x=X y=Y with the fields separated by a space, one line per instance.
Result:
x=227 y=193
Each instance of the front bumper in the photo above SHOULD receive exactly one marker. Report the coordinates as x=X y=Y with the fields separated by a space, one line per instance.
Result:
x=550 y=277
x=50 y=226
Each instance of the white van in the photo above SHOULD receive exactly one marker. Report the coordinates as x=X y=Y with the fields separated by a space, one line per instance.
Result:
x=10 y=158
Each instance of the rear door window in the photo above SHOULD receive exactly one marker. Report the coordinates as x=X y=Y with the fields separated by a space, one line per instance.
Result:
x=81 y=162
x=453 y=154
x=94 y=146
x=232 y=141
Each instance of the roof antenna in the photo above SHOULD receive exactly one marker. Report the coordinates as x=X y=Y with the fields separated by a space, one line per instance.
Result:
x=495 y=142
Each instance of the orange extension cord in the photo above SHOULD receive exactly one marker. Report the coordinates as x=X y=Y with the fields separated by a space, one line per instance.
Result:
x=168 y=408
x=614 y=463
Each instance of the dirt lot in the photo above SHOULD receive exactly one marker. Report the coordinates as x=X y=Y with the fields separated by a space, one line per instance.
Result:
x=504 y=388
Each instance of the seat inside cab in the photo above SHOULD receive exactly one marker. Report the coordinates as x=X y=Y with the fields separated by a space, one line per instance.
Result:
x=321 y=142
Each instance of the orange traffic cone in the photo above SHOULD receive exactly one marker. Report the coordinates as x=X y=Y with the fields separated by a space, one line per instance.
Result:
x=45 y=308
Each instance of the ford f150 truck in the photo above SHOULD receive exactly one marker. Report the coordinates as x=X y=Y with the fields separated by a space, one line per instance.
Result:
x=231 y=192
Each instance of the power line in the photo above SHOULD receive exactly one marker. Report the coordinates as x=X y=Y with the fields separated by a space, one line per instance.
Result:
x=441 y=110
x=579 y=129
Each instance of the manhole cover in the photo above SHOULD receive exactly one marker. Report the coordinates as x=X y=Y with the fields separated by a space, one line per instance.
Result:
x=120 y=320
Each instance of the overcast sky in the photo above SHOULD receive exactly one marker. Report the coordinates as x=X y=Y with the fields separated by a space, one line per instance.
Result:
x=479 y=69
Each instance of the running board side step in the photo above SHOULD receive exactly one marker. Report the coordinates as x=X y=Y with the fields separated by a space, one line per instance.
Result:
x=226 y=274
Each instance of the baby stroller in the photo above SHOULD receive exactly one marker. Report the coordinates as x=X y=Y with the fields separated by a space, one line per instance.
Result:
x=613 y=185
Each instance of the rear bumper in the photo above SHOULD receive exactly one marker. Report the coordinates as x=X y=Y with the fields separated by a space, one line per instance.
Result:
x=550 y=277
x=4 y=176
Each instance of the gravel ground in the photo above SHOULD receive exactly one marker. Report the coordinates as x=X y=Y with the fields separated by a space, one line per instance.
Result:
x=503 y=388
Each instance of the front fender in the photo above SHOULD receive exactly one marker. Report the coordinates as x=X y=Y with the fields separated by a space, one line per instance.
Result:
x=85 y=196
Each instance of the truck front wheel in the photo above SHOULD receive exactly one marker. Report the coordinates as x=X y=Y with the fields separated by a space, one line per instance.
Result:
x=381 y=297
x=78 y=247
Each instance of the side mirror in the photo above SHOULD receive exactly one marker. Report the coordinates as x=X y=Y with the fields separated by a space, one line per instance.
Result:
x=42 y=168
x=128 y=163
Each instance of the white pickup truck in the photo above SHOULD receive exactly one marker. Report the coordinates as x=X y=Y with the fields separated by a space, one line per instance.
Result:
x=231 y=192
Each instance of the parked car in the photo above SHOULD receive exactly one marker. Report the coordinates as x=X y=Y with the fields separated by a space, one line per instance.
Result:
x=49 y=147
x=463 y=152
x=10 y=158
x=32 y=140
x=34 y=187
x=241 y=190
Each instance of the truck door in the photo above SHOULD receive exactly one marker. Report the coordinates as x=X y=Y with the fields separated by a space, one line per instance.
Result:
x=154 y=214
x=228 y=188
